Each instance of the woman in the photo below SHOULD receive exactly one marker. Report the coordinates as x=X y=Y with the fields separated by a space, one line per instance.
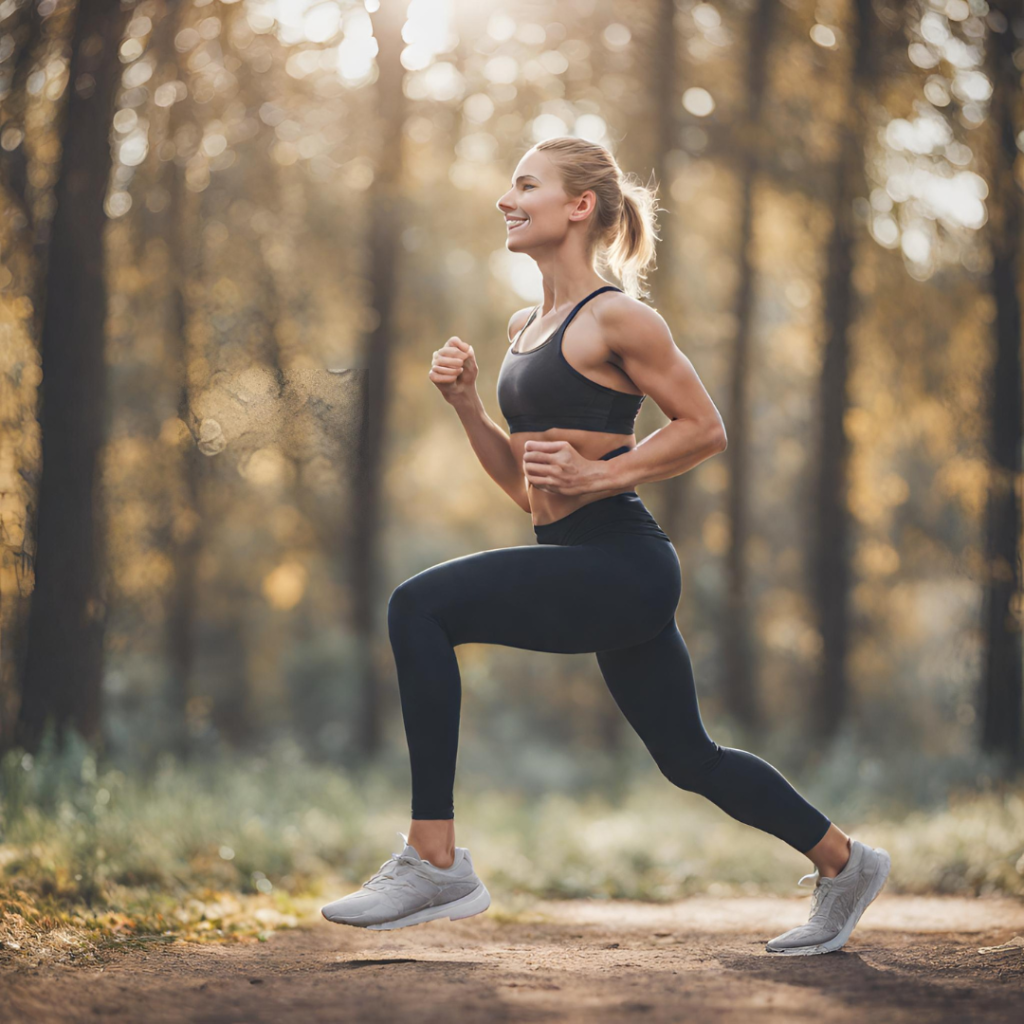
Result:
x=603 y=576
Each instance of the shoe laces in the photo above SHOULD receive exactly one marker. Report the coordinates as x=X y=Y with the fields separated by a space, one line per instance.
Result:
x=390 y=869
x=821 y=888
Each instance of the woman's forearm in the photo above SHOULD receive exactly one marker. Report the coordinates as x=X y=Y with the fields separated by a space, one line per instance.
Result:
x=673 y=449
x=492 y=448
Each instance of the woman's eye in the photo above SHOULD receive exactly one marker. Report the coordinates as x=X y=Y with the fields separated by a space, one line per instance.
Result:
x=529 y=186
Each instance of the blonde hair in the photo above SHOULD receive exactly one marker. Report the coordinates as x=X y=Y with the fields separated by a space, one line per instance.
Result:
x=624 y=223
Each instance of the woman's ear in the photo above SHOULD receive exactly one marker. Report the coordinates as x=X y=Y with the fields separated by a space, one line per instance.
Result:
x=584 y=205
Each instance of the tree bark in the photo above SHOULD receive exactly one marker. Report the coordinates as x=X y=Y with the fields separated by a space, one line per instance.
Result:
x=1000 y=699
x=831 y=526
x=665 y=103
x=385 y=222
x=739 y=683
x=64 y=660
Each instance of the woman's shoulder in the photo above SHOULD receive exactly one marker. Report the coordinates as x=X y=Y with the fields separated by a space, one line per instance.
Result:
x=518 y=320
x=619 y=310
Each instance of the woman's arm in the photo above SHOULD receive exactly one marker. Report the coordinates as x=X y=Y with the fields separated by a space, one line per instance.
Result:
x=642 y=344
x=492 y=447
x=454 y=372
x=639 y=341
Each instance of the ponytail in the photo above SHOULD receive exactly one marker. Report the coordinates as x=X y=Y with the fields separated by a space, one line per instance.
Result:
x=625 y=217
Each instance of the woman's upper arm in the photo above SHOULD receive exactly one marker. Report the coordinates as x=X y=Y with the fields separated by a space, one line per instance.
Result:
x=648 y=355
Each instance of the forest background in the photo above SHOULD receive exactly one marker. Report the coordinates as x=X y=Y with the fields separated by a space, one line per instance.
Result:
x=232 y=235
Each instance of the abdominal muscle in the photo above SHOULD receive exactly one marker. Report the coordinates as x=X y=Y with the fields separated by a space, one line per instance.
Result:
x=546 y=506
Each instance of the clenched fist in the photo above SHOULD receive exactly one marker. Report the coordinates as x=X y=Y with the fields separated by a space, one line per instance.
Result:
x=454 y=369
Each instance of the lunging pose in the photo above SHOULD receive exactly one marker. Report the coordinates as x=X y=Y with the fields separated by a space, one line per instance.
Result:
x=603 y=577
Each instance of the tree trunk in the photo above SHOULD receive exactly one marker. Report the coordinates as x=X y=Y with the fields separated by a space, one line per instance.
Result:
x=1001 y=684
x=673 y=493
x=385 y=223
x=16 y=541
x=832 y=521
x=739 y=683
x=64 y=660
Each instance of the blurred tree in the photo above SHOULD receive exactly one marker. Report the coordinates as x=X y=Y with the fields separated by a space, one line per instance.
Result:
x=27 y=33
x=831 y=552
x=1001 y=683
x=385 y=198
x=665 y=60
x=739 y=674
x=174 y=220
x=64 y=659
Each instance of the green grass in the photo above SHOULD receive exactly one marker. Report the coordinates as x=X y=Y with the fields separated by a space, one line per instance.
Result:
x=241 y=846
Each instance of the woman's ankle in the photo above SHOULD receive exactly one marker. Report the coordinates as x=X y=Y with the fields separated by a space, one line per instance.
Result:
x=833 y=869
x=439 y=857
x=831 y=854
x=434 y=840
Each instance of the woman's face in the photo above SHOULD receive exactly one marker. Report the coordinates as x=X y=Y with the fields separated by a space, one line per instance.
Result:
x=537 y=211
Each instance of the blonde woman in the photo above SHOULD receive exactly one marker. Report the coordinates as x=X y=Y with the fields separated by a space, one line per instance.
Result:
x=603 y=576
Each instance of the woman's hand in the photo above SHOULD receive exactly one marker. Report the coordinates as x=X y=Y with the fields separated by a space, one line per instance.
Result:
x=454 y=369
x=556 y=467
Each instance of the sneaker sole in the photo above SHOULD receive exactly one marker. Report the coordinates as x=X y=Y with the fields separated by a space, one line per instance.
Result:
x=836 y=943
x=475 y=902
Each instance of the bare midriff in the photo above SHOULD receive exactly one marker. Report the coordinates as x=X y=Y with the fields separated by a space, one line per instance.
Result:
x=546 y=506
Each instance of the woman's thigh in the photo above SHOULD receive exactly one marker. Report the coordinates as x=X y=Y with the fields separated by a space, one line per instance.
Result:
x=562 y=599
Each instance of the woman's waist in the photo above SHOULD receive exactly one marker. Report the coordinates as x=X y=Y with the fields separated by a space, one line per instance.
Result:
x=591 y=444
x=550 y=508
x=619 y=514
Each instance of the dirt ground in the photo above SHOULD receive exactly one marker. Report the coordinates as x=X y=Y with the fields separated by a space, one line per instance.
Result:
x=701 y=959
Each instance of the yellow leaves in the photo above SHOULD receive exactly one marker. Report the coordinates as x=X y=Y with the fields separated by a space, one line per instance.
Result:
x=60 y=925
x=893 y=489
x=123 y=456
x=289 y=526
x=795 y=348
x=715 y=533
x=145 y=572
x=964 y=480
x=117 y=923
x=226 y=291
x=21 y=307
x=174 y=432
x=876 y=558
x=857 y=424
x=786 y=623
x=184 y=524
x=266 y=467
x=713 y=476
x=284 y=586
x=321 y=475
x=198 y=371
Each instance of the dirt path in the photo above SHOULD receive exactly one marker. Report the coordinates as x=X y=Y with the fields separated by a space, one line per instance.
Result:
x=910 y=959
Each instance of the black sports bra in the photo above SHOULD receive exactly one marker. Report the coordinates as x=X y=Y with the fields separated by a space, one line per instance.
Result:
x=538 y=389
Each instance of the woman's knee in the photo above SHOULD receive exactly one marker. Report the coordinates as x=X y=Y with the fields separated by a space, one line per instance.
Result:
x=408 y=598
x=428 y=593
x=692 y=770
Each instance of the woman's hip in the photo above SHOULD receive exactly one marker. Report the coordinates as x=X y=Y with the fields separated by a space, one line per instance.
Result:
x=622 y=514
x=612 y=591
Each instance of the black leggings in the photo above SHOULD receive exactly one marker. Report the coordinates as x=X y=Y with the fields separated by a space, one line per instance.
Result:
x=603 y=579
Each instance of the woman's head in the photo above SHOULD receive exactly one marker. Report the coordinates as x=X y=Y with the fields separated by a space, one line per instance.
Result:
x=567 y=183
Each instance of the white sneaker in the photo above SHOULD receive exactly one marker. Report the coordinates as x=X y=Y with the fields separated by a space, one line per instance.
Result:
x=409 y=890
x=836 y=903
